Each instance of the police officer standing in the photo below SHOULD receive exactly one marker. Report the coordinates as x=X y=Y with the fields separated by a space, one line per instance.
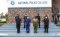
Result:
x=38 y=17
x=46 y=24
x=27 y=21
x=56 y=20
x=53 y=17
x=35 y=25
x=18 y=23
x=58 y=17
x=24 y=20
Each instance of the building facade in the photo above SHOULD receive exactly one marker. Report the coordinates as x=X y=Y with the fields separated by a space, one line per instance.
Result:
x=31 y=12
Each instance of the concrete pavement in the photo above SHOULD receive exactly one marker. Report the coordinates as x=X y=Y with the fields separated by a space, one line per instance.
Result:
x=10 y=30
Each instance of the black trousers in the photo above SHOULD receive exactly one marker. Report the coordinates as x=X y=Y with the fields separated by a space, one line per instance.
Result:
x=55 y=22
x=24 y=25
x=39 y=24
x=46 y=29
x=18 y=27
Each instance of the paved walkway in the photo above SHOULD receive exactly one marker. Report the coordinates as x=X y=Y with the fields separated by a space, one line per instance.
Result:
x=10 y=30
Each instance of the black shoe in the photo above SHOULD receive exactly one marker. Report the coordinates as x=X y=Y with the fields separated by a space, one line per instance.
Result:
x=35 y=32
x=18 y=32
x=46 y=32
x=27 y=31
x=39 y=27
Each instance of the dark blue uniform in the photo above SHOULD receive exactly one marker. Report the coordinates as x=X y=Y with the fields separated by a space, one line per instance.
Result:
x=56 y=21
x=46 y=24
x=24 y=21
x=53 y=17
x=18 y=22
x=27 y=21
x=58 y=17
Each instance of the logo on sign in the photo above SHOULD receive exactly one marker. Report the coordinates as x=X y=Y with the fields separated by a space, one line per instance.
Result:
x=12 y=2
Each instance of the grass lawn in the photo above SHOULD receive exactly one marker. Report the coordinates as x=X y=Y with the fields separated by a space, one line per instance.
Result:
x=2 y=23
x=58 y=24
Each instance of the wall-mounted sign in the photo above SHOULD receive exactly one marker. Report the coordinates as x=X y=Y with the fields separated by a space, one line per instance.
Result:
x=29 y=3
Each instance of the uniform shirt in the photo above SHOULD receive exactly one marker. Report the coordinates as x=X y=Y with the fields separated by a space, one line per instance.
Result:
x=27 y=21
x=35 y=22
x=17 y=19
x=38 y=17
x=46 y=22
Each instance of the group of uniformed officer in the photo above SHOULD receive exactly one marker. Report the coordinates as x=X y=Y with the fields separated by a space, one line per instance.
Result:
x=55 y=18
x=36 y=23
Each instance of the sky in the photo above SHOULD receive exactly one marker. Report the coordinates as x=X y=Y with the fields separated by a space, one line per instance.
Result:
x=3 y=6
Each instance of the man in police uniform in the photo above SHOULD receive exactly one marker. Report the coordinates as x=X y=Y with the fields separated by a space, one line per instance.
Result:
x=58 y=17
x=18 y=23
x=38 y=17
x=24 y=20
x=53 y=17
x=27 y=21
x=35 y=25
x=46 y=24
x=56 y=21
